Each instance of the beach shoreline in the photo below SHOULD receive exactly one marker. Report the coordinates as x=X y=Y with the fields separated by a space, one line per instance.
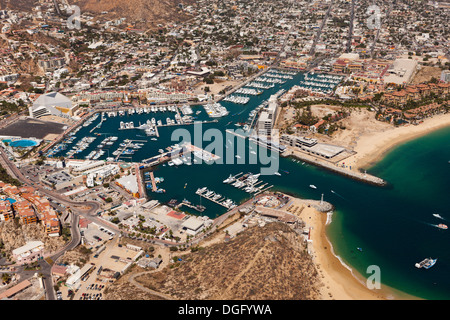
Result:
x=339 y=281
x=373 y=146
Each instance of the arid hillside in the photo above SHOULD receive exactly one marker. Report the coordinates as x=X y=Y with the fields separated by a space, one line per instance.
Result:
x=141 y=13
x=268 y=262
x=24 y=5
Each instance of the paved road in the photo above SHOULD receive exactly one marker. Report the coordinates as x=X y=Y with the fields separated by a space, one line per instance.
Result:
x=46 y=264
x=319 y=32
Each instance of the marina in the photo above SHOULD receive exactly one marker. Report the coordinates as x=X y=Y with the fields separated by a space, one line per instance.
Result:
x=303 y=174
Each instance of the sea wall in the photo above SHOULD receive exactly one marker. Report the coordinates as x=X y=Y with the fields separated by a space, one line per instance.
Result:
x=364 y=177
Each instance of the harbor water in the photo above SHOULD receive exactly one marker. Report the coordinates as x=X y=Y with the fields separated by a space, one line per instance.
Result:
x=394 y=225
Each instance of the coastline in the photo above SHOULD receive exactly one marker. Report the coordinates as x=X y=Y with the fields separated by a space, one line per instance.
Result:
x=373 y=146
x=340 y=281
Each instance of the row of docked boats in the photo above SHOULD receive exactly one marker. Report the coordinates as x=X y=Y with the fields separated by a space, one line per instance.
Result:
x=249 y=91
x=216 y=197
x=329 y=77
x=270 y=80
x=91 y=119
x=248 y=182
x=215 y=110
x=80 y=146
x=141 y=110
x=273 y=74
x=258 y=85
x=237 y=99
x=317 y=84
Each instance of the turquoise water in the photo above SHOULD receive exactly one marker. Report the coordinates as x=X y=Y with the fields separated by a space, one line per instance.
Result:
x=23 y=143
x=393 y=225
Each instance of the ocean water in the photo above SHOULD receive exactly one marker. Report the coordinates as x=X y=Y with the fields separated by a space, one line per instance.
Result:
x=393 y=225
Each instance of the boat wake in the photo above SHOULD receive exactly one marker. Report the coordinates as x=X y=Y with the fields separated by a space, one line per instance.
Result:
x=439 y=226
x=338 y=194
x=439 y=217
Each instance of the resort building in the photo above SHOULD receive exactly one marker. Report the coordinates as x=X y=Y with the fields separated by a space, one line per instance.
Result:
x=415 y=92
x=29 y=207
x=312 y=146
x=52 y=103
x=6 y=211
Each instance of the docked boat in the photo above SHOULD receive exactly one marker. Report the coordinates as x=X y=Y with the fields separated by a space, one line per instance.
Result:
x=426 y=263
x=201 y=190
x=230 y=179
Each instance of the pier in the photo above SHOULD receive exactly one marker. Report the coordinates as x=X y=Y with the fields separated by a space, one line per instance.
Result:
x=364 y=177
x=221 y=200
x=191 y=148
x=152 y=177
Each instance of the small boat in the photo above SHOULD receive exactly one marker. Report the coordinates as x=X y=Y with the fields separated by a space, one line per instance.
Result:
x=277 y=173
x=359 y=249
x=229 y=179
x=437 y=215
x=312 y=186
x=442 y=226
x=426 y=263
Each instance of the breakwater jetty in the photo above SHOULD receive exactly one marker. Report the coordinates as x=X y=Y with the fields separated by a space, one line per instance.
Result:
x=360 y=176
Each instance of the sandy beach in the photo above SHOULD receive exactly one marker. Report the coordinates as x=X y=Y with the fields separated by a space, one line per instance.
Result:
x=339 y=282
x=371 y=146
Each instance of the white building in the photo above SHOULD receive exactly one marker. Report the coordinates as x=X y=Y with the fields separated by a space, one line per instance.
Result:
x=445 y=75
x=97 y=175
x=193 y=225
x=52 y=103
x=268 y=117
x=30 y=252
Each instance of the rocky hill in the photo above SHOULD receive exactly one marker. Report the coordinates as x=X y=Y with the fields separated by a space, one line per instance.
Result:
x=140 y=13
x=14 y=235
x=269 y=262
x=24 y=5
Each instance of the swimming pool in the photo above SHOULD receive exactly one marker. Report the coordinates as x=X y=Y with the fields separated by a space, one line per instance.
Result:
x=23 y=143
